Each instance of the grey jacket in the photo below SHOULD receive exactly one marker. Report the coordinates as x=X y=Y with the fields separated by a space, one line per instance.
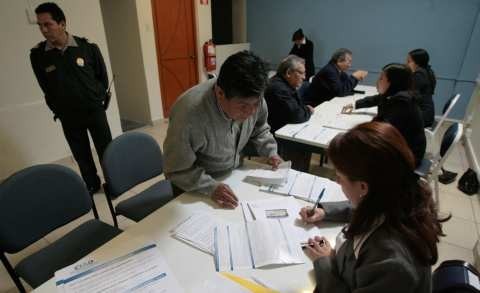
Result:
x=379 y=262
x=203 y=143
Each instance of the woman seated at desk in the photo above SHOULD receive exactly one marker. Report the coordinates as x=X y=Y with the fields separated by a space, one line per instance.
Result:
x=398 y=106
x=391 y=240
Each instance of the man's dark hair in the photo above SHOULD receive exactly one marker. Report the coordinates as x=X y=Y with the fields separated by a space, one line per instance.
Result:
x=339 y=55
x=243 y=75
x=53 y=9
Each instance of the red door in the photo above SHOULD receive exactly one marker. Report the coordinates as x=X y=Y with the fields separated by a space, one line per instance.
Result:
x=176 y=52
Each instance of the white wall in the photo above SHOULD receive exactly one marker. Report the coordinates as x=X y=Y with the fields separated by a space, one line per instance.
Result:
x=28 y=134
x=149 y=56
x=203 y=18
x=121 y=27
x=224 y=51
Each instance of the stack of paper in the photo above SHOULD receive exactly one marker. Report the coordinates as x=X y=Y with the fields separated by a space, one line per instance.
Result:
x=307 y=187
x=143 y=270
x=347 y=121
x=265 y=176
x=197 y=230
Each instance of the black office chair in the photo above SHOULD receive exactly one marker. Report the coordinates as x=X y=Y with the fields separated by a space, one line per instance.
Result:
x=130 y=159
x=36 y=201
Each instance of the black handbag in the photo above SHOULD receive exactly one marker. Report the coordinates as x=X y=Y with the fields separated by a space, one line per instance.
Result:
x=468 y=183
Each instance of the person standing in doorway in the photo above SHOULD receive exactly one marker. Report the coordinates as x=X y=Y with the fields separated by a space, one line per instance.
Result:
x=72 y=75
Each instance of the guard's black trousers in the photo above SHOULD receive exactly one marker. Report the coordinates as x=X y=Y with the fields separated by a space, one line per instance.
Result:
x=77 y=137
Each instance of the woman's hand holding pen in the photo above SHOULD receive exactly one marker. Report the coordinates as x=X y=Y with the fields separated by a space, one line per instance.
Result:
x=312 y=215
x=318 y=247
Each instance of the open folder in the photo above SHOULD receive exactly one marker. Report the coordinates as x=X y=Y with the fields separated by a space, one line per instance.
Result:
x=307 y=187
x=255 y=244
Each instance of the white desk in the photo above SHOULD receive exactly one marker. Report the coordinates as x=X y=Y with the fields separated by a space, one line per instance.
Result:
x=327 y=121
x=192 y=266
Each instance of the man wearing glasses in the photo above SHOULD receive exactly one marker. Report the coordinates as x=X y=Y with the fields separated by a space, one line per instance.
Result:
x=333 y=80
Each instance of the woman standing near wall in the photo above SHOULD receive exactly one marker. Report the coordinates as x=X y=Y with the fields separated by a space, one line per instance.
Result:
x=303 y=48
x=424 y=83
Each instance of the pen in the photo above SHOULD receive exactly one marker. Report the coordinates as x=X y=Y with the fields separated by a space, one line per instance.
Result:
x=305 y=244
x=311 y=211
x=251 y=212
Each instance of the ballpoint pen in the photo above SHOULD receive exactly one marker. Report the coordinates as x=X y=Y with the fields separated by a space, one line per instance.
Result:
x=305 y=244
x=311 y=211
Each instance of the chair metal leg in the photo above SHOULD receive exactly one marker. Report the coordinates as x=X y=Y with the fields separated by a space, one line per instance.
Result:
x=12 y=273
x=110 y=205
x=94 y=209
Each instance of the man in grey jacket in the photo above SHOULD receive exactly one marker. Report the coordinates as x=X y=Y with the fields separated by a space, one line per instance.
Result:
x=212 y=123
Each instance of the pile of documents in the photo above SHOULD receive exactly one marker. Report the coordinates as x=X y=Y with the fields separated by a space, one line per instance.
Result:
x=307 y=187
x=266 y=176
x=197 y=230
x=143 y=270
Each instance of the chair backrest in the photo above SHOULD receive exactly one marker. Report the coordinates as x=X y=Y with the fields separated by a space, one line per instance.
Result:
x=450 y=138
x=447 y=108
x=130 y=159
x=36 y=201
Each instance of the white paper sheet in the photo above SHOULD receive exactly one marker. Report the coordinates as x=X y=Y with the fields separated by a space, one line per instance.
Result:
x=268 y=176
x=197 y=230
x=256 y=244
x=256 y=209
x=307 y=187
x=143 y=270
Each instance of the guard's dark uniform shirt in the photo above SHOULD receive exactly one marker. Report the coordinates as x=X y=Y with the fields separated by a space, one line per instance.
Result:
x=74 y=80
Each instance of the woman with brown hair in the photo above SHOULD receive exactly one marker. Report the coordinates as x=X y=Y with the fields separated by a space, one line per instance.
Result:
x=391 y=238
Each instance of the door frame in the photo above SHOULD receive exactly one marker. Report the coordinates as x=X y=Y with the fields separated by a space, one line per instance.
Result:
x=157 y=49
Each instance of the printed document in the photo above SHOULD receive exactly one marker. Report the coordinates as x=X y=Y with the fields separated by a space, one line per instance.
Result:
x=268 y=176
x=197 y=230
x=307 y=187
x=256 y=244
x=143 y=270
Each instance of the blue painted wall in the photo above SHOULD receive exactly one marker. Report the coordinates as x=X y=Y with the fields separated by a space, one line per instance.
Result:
x=378 y=32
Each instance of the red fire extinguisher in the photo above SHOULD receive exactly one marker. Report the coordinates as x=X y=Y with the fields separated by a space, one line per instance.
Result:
x=210 y=59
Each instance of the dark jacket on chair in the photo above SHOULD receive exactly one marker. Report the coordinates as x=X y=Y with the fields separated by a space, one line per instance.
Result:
x=328 y=83
x=423 y=85
x=378 y=261
x=284 y=104
x=402 y=111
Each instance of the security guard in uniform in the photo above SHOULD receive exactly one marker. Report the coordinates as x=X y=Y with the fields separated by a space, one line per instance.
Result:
x=73 y=77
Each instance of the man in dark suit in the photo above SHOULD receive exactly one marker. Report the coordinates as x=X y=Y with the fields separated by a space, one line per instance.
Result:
x=333 y=80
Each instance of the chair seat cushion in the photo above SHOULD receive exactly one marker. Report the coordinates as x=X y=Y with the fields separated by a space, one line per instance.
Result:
x=39 y=267
x=146 y=202
x=424 y=168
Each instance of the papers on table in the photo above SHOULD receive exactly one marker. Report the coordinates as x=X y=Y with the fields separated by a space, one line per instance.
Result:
x=143 y=270
x=307 y=187
x=347 y=121
x=263 y=209
x=197 y=230
x=255 y=244
x=265 y=176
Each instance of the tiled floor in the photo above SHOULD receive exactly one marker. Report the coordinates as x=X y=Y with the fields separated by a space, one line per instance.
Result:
x=462 y=230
